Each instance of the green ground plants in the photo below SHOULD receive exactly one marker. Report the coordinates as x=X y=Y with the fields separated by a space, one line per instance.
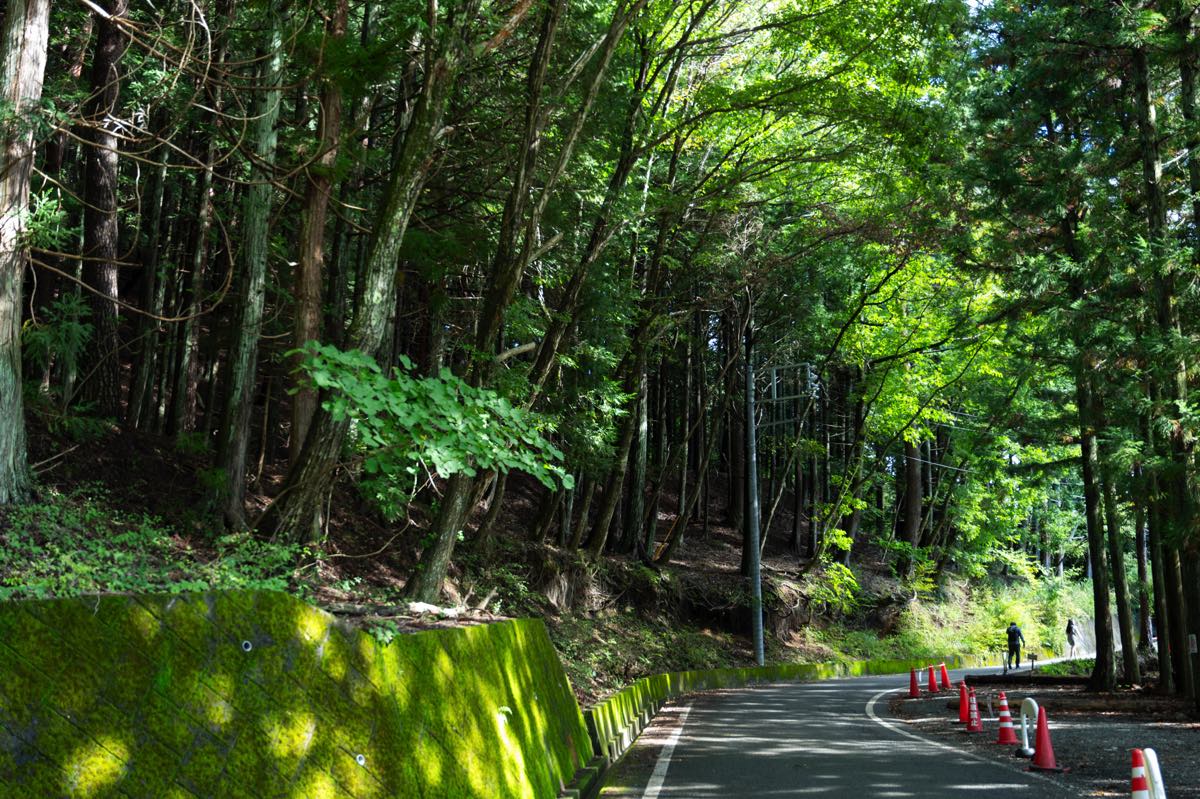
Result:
x=1080 y=667
x=77 y=542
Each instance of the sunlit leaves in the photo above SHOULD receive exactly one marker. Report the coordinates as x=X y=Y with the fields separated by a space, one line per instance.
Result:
x=405 y=425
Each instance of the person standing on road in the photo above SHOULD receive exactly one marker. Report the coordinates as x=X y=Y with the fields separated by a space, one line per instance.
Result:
x=1071 y=637
x=1015 y=640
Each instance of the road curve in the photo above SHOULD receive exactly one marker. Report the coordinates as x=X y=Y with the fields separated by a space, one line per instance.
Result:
x=831 y=738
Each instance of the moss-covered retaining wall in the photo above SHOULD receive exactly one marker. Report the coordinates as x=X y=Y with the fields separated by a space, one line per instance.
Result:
x=257 y=694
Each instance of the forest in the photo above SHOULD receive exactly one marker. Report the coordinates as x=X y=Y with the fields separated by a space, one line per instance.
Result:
x=322 y=291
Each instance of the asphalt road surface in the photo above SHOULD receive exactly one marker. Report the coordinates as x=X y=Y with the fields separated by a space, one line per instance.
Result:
x=831 y=738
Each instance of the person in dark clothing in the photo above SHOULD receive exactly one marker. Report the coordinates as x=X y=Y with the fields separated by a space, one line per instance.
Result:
x=1015 y=640
x=1071 y=636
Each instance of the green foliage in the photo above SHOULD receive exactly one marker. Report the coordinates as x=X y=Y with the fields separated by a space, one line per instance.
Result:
x=79 y=543
x=383 y=630
x=1080 y=667
x=834 y=588
x=192 y=443
x=975 y=621
x=74 y=423
x=47 y=224
x=59 y=334
x=604 y=653
x=406 y=425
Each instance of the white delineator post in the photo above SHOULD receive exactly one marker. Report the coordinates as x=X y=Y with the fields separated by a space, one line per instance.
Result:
x=1154 y=775
x=1029 y=714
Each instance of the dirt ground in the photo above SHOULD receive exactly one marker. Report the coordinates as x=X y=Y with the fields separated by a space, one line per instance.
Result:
x=1091 y=733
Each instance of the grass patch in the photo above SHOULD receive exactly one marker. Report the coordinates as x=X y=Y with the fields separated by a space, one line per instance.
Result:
x=1080 y=667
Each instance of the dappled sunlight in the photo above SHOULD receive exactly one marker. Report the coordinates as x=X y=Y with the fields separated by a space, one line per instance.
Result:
x=95 y=767
x=815 y=738
x=256 y=694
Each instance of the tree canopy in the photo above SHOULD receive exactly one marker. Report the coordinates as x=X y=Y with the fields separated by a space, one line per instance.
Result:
x=413 y=252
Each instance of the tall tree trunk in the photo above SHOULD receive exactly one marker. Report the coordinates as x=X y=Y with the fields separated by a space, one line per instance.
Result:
x=233 y=437
x=616 y=478
x=585 y=508
x=911 y=529
x=1174 y=377
x=487 y=528
x=148 y=328
x=736 y=429
x=295 y=513
x=635 y=519
x=1162 y=620
x=1143 y=575
x=22 y=69
x=686 y=420
x=1179 y=612
x=100 y=227
x=546 y=515
x=1116 y=562
x=1103 y=674
x=74 y=54
x=307 y=322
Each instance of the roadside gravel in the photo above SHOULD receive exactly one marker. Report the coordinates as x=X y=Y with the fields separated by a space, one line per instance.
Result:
x=1091 y=733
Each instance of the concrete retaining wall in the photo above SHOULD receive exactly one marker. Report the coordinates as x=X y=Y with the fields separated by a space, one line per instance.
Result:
x=236 y=695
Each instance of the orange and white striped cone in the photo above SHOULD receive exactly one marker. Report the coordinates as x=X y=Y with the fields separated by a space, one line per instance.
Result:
x=933 y=688
x=1139 y=786
x=976 y=722
x=964 y=705
x=1008 y=735
x=914 y=688
x=945 y=675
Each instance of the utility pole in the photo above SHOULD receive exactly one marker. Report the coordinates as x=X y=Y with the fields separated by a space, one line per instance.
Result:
x=752 y=488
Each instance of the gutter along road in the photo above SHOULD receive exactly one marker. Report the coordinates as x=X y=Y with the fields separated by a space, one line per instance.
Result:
x=829 y=738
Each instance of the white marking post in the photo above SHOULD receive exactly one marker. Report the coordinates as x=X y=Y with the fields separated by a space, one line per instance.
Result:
x=1029 y=714
x=1154 y=775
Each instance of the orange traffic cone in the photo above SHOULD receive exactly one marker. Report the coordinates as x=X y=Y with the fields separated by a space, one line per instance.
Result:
x=964 y=710
x=1043 y=752
x=933 y=689
x=1007 y=734
x=945 y=678
x=1140 y=787
x=976 y=723
x=914 y=690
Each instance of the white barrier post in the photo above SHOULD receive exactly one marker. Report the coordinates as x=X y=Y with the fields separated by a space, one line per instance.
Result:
x=1029 y=714
x=1154 y=775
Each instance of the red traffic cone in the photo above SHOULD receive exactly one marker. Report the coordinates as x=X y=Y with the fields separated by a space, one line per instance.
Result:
x=964 y=709
x=933 y=689
x=976 y=723
x=946 y=685
x=1008 y=735
x=1043 y=752
x=1140 y=788
x=914 y=690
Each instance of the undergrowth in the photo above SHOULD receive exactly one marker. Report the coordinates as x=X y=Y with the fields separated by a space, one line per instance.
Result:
x=78 y=542
x=1080 y=667
x=606 y=653
x=963 y=620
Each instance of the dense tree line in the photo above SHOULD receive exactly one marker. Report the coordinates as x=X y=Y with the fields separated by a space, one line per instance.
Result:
x=416 y=248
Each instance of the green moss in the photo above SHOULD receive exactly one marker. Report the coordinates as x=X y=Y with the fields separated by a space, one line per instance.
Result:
x=163 y=698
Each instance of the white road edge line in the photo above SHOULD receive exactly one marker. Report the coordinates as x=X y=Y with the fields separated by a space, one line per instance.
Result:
x=664 y=758
x=871 y=714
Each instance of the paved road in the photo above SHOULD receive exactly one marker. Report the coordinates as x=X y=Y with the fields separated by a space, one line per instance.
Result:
x=832 y=738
